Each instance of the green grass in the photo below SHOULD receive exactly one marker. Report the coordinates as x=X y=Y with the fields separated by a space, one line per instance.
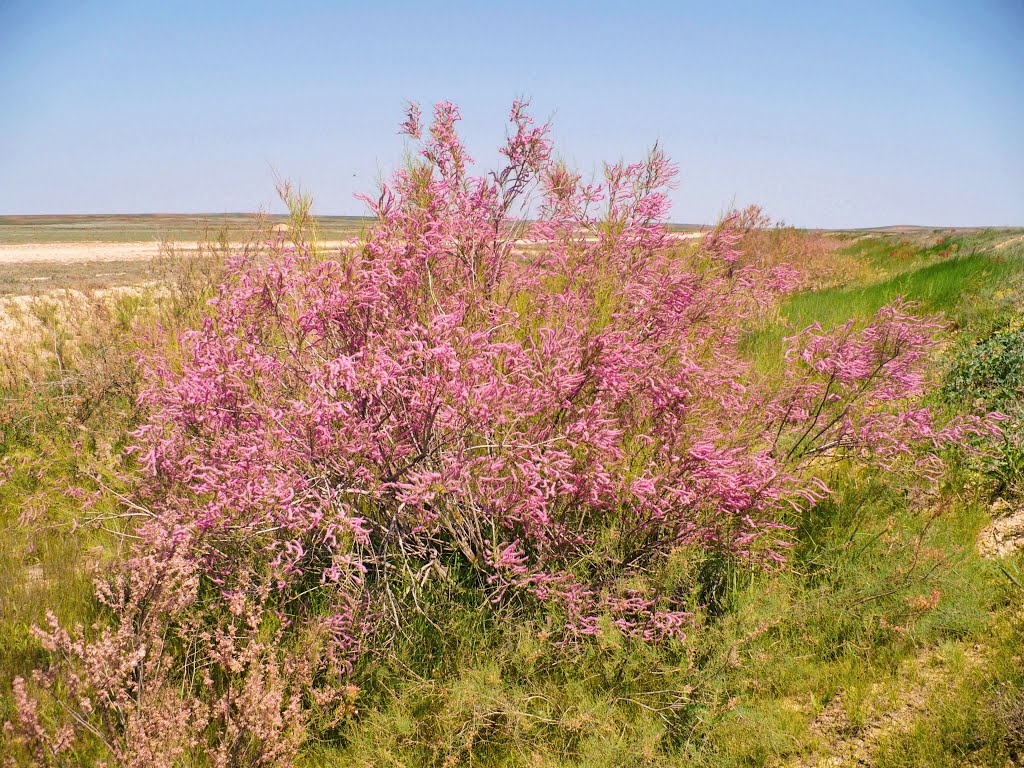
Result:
x=977 y=717
x=938 y=287
x=970 y=286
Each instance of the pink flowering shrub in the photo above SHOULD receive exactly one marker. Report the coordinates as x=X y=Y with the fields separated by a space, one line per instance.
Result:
x=520 y=380
x=180 y=673
x=851 y=392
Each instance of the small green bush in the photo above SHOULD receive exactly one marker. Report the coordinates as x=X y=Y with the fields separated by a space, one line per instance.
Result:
x=989 y=375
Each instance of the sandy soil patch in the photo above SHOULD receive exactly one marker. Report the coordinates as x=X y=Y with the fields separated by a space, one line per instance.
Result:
x=67 y=253
x=1005 y=534
x=77 y=253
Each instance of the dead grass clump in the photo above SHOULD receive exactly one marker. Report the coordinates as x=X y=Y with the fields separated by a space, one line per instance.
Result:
x=61 y=356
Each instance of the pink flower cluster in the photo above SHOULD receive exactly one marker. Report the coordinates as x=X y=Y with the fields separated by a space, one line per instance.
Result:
x=857 y=392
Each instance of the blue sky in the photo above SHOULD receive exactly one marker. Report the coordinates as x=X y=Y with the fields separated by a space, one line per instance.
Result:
x=828 y=114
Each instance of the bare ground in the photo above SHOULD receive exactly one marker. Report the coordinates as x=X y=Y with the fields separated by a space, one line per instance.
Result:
x=1005 y=534
x=68 y=253
x=28 y=269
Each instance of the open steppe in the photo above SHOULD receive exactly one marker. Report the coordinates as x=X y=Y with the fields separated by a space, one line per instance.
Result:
x=40 y=254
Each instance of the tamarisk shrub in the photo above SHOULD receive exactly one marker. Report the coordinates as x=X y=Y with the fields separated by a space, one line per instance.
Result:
x=519 y=381
x=817 y=257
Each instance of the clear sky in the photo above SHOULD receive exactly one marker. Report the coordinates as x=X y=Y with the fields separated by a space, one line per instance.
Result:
x=833 y=114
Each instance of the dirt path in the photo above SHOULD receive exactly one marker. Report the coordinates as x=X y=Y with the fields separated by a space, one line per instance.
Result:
x=1011 y=241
